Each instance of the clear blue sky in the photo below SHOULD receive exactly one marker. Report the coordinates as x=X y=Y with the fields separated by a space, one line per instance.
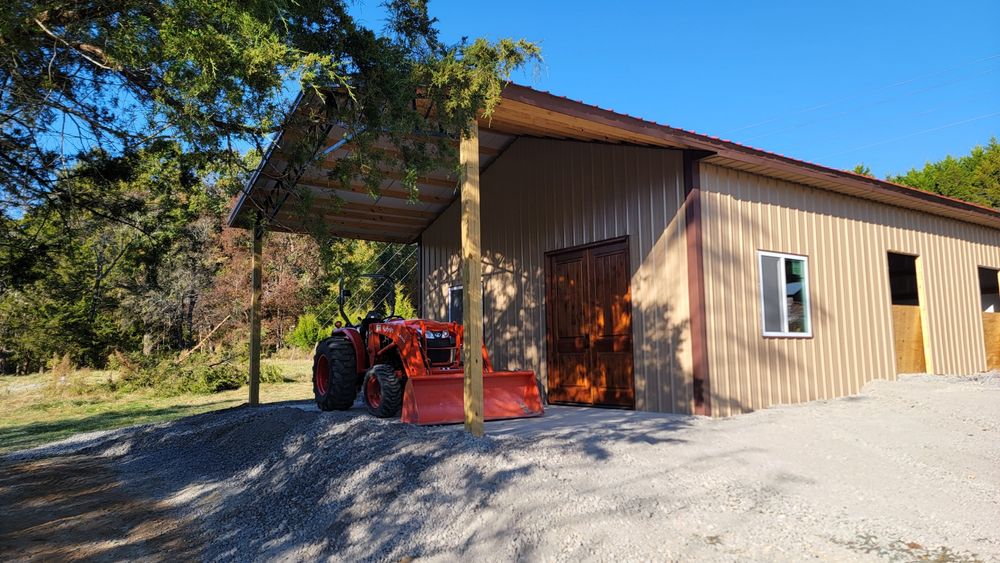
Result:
x=892 y=84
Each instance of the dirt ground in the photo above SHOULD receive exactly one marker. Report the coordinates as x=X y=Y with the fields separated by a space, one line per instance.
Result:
x=905 y=471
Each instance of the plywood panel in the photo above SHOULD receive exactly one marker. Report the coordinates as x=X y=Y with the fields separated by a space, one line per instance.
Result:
x=846 y=240
x=544 y=195
x=991 y=336
x=908 y=339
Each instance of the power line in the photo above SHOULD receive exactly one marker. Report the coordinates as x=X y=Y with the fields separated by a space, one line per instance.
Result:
x=914 y=134
x=861 y=94
x=869 y=105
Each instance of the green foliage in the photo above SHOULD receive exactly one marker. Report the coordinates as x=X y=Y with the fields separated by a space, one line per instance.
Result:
x=82 y=282
x=117 y=160
x=974 y=178
x=350 y=260
x=863 y=170
x=215 y=73
x=308 y=332
x=198 y=373
x=404 y=306
x=270 y=373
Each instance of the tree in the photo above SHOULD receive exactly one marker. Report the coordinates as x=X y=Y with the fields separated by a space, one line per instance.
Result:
x=99 y=280
x=863 y=170
x=115 y=75
x=974 y=178
x=293 y=282
x=123 y=131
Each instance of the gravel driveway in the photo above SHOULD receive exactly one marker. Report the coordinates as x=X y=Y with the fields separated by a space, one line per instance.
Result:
x=905 y=471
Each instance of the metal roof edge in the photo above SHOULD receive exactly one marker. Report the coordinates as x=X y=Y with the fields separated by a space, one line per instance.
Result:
x=736 y=151
x=232 y=220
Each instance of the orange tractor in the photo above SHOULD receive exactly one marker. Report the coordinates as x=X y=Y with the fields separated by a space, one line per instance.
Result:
x=413 y=367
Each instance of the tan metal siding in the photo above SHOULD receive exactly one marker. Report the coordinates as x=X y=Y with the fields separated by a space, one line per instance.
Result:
x=847 y=240
x=544 y=195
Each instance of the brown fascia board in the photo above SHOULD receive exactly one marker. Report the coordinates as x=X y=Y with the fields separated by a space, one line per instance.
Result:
x=681 y=138
x=927 y=201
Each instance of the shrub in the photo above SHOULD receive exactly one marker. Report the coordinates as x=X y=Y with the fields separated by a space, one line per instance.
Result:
x=404 y=307
x=198 y=373
x=270 y=373
x=308 y=332
x=65 y=377
x=214 y=378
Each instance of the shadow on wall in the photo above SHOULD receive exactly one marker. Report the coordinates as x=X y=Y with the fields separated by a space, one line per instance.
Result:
x=516 y=339
x=510 y=317
x=659 y=286
x=750 y=371
x=623 y=191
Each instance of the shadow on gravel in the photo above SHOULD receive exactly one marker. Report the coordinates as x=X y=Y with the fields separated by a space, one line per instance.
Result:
x=595 y=431
x=285 y=483
x=74 y=508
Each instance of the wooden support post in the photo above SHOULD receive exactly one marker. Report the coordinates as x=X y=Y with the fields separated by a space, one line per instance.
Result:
x=258 y=239
x=472 y=283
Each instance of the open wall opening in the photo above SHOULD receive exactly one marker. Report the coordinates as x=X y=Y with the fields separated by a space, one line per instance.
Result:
x=908 y=336
x=989 y=290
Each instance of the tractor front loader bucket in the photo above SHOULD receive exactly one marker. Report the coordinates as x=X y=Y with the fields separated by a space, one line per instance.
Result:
x=440 y=398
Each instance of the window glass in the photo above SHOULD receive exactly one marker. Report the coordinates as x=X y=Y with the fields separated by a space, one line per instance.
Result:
x=771 y=280
x=795 y=279
x=784 y=295
x=455 y=304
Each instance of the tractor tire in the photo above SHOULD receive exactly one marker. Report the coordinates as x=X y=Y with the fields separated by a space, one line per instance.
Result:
x=335 y=374
x=382 y=391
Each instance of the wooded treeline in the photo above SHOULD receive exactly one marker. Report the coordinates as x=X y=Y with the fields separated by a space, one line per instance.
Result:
x=124 y=132
x=159 y=271
x=974 y=177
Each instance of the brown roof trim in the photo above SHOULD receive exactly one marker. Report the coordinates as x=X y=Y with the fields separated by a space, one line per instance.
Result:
x=681 y=138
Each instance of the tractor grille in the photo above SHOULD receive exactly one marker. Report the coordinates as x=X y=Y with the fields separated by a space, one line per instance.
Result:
x=441 y=351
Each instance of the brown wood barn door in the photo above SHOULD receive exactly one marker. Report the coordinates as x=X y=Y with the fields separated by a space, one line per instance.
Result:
x=590 y=326
x=569 y=353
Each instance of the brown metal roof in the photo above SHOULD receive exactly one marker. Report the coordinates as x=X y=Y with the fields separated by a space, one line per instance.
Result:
x=525 y=111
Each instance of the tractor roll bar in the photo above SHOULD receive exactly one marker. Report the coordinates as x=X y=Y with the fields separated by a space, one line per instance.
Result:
x=343 y=294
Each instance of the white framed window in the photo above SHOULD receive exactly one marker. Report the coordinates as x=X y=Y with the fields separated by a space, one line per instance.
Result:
x=784 y=295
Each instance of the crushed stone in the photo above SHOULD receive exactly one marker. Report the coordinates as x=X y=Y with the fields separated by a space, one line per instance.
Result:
x=906 y=470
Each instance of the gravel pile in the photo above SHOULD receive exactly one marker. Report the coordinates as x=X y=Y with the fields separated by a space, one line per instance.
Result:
x=905 y=471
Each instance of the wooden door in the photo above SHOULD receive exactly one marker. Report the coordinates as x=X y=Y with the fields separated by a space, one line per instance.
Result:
x=589 y=325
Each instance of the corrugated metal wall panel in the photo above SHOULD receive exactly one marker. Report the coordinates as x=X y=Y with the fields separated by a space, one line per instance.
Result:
x=544 y=195
x=847 y=241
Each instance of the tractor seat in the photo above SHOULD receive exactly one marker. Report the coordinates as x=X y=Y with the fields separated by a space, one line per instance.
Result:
x=370 y=319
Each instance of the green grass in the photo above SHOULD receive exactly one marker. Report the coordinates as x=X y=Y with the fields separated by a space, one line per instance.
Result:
x=43 y=408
